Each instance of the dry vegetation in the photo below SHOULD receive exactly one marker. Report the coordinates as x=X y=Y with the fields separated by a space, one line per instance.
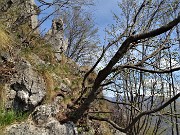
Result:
x=6 y=38
x=39 y=53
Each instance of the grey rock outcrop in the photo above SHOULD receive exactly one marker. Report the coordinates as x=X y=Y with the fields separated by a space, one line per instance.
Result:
x=31 y=8
x=42 y=113
x=25 y=128
x=43 y=122
x=4 y=56
x=26 y=89
x=29 y=12
x=55 y=36
x=52 y=127
x=64 y=88
x=119 y=133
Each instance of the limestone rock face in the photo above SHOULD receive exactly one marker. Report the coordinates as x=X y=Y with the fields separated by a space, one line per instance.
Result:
x=55 y=36
x=119 y=133
x=42 y=113
x=65 y=88
x=4 y=56
x=26 y=89
x=34 y=21
x=25 y=129
x=52 y=127
x=43 y=122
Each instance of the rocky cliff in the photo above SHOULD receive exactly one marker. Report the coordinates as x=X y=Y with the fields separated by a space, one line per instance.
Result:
x=39 y=89
x=37 y=81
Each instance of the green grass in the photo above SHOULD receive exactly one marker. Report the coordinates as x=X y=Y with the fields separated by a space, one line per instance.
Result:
x=9 y=117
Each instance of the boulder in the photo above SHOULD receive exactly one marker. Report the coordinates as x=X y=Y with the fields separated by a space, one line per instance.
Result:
x=65 y=88
x=42 y=113
x=52 y=127
x=43 y=122
x=4 y=56
x=25 y=128
x=26 y=89
x=119 y=133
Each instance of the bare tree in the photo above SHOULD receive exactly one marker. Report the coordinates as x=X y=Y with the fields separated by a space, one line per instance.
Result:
x=146 y=34
x=81 y=34
x=141 y=47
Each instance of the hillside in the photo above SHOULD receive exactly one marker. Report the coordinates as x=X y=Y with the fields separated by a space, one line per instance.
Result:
x=37 y=85
x=58 y=57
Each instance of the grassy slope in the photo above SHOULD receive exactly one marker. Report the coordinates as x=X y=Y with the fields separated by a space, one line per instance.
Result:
x=38 y=47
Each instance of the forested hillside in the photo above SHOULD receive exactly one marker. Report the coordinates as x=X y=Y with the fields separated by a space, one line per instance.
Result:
x=53 y=81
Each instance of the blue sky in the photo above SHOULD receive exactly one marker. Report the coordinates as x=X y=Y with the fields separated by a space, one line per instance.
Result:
x=101 y=11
